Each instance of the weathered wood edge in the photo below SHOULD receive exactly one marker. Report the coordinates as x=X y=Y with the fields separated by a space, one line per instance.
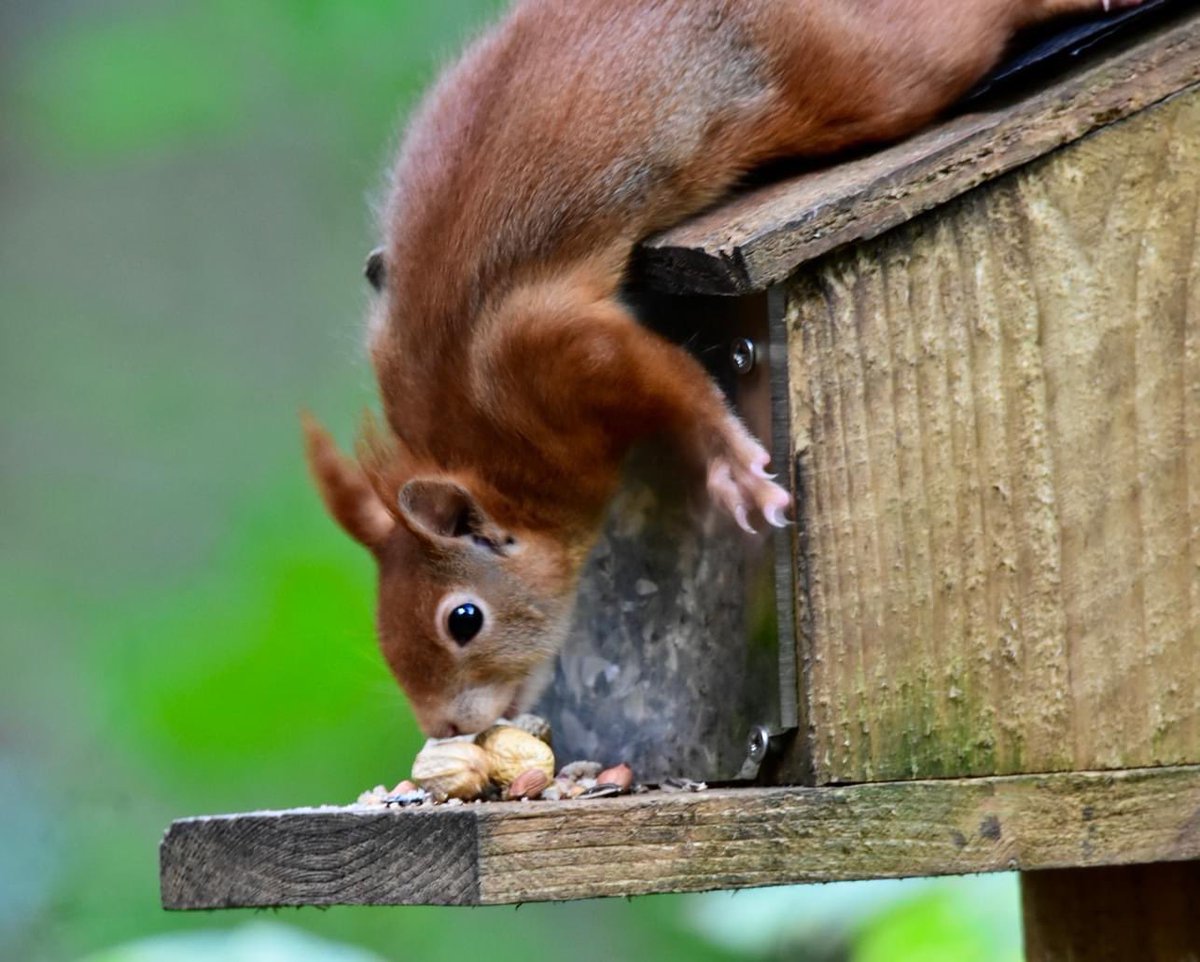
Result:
x=321 y=856
x=762 y=237
x=720 y=839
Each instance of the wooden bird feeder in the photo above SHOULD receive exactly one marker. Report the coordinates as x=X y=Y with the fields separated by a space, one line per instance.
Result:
x=977 y=353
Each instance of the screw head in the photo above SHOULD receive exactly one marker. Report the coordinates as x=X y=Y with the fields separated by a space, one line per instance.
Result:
x=743 y=354
x=758 y=742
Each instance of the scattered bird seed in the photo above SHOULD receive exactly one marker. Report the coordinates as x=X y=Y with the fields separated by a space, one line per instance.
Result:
x=682 y=785
x=402 y=799
x=602 y=791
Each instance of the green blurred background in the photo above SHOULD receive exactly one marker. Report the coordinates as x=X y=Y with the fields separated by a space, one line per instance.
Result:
x=185 y=195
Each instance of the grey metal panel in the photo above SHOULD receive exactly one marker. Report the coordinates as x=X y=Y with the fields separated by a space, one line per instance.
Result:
x=675 y=654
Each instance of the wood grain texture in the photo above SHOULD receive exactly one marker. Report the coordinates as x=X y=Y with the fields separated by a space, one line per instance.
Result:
x=321 y=857
x=720 y=839
x=1148 y=913
x=762 y=237
x=997 y=425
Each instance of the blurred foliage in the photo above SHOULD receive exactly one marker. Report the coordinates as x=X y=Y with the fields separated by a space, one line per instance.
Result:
x=254 y=942
x=969 y=921
x=190 y=72
x=185 y=196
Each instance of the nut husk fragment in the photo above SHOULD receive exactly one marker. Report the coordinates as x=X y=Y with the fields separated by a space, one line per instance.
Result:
x=535 y=725
x=511 y=751
x=578 y=770
x=451 y=769
x=374 y=796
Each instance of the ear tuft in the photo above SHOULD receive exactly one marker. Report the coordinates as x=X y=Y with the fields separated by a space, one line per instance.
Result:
x=344 y=488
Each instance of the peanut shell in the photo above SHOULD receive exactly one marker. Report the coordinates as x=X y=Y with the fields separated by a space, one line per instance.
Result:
x=451 y=769
x=511 y=751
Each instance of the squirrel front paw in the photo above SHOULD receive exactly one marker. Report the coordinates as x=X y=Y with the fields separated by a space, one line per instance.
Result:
x=738 y=481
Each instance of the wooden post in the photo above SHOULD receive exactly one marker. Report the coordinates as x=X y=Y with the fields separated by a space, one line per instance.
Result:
x=995 y=416
x=996 y=410
x=1126 y=913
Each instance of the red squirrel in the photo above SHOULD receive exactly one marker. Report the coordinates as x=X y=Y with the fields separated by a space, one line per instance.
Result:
x=513 y=378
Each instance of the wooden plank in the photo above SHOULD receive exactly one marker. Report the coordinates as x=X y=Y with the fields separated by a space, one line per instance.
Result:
x=719 y=839
x=1150 y=913
x=761 y=238
x=997 y=426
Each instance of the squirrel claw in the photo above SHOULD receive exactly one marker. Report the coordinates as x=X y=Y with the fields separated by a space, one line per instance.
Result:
x=773 y=514
x=743 y=522
x=739 y=482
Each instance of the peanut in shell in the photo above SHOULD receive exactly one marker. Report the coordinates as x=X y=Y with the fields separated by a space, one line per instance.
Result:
x=451 y=769
x=511 y=751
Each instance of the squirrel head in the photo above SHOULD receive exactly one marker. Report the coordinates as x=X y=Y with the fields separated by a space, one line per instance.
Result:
x=470 y=614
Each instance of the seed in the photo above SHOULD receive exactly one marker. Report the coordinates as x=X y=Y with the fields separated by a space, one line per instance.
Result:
x=529 y=784
x=619 y=775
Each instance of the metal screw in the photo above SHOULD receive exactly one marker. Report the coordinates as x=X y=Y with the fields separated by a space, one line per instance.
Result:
x=743 y=354
x=758 y=743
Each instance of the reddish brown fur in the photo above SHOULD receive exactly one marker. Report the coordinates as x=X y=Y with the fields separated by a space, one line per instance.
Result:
x=513 y=379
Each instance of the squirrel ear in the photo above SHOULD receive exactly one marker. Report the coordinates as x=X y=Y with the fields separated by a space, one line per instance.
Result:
x=344 y=488
x=445 y=509
x=375 y=269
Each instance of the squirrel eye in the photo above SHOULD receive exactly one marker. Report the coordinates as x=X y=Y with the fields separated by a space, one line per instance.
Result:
x=464 y=622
